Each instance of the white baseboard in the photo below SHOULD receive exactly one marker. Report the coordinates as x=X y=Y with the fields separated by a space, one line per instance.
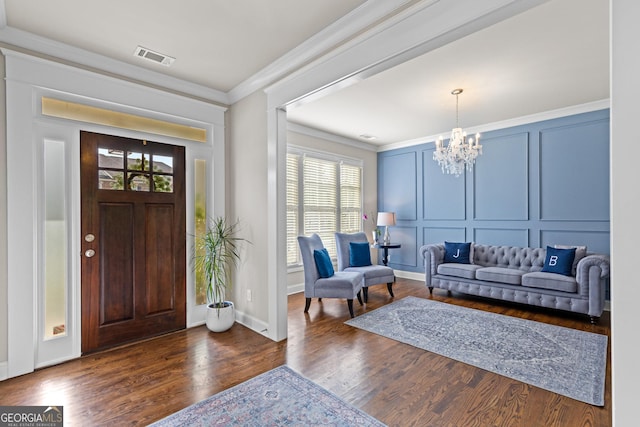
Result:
x=409 y=275
x=252 y=323
x=242 y=318
x=294 y=289
x=4 y=371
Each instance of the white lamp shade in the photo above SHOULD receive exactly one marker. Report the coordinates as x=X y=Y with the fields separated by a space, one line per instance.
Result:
x=386 y=218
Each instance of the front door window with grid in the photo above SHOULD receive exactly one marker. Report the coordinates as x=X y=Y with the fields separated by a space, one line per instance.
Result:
x=324 y=195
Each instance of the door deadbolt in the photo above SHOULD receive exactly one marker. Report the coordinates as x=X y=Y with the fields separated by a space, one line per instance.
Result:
x=89 y=253
x=89 y=238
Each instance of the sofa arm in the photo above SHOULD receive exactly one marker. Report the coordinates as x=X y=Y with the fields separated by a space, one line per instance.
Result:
x=585 y=264
x=592 y=275
x=433 y=256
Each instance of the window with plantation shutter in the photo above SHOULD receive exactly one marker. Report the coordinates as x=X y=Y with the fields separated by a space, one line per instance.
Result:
x=292 y=208
x=350 y=198
x=324 y=195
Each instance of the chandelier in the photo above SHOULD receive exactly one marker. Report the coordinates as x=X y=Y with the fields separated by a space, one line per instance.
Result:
x=460 y=152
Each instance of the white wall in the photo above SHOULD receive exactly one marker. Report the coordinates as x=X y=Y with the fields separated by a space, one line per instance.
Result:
x=247 y=201
x=3 y=219
x=625 y=210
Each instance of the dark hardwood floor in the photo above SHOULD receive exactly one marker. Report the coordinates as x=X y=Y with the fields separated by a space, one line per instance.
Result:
x=394 y=382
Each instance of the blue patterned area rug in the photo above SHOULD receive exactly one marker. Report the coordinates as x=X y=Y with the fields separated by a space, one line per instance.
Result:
x=279 y=397
x=562 y=360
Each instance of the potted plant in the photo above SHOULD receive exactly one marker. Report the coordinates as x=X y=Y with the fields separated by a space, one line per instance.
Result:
x=216 y=254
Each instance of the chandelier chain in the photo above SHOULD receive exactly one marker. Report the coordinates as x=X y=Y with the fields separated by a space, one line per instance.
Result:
x=457 y=117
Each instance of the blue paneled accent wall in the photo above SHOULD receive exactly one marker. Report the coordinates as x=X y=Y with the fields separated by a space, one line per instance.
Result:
x=538 y=184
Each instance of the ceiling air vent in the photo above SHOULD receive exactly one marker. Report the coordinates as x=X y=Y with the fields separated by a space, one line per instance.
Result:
x=156 y=57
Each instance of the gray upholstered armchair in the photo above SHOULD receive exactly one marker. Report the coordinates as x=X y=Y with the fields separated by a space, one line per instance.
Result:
x=336 y=285
x=349 y=261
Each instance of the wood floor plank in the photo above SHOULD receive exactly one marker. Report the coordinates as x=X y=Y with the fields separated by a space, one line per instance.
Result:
x=394 y=382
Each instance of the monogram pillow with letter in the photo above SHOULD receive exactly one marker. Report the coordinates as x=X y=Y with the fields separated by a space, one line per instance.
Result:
x=559 y=260
x=457 y=252
x=581 y=252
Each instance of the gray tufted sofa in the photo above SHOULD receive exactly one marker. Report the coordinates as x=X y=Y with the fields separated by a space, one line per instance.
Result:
x=514 y=274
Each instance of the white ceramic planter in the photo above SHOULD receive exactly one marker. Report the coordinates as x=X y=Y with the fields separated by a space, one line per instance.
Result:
x=221 y=319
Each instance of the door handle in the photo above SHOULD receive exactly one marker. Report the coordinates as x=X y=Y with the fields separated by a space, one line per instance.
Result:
x=89 y=253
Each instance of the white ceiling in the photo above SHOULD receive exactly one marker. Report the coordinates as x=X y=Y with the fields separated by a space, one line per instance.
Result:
x=553 y=56
x=216 y=43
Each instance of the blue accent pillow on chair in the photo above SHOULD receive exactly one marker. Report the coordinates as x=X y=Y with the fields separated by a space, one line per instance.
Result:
x=457 y=252
x=359 y=254
x=559 y=260
x=323 y=263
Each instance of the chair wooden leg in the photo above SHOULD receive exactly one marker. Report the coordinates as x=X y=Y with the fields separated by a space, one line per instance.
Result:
x=350 y=304
x=360 y=298
x=307 y=304
x=430 y=290
x=389 y=285
x=365 y=294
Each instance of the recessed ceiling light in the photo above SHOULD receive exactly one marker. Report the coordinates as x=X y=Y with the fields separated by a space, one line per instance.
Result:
x=367 y=137
x=158 y=58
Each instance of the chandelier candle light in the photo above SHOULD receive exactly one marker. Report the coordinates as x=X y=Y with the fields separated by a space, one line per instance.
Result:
x=460 y=152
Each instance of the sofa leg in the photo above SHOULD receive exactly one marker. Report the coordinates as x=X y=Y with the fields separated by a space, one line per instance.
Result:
x=360 y=297
x=365 y=294
x=594 y=320
x=389 y=288
x=307 y=304
x=350 y=304
x=430 y=290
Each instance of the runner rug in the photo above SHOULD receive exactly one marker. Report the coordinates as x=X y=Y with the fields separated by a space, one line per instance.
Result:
x=562 y=360
x=276 y=398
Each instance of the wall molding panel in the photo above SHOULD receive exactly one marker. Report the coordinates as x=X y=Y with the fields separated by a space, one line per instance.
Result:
x=506 y=236
x=405 y=257
x=576 y=147
x=442 y=198
x=397 y=178
x=440 y=234
x=536 y=184
x=501 y=179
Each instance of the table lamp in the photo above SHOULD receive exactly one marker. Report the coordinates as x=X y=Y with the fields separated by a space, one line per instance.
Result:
x=386 y=219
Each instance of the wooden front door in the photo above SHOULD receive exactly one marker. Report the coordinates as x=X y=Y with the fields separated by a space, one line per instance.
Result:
x=134 y=236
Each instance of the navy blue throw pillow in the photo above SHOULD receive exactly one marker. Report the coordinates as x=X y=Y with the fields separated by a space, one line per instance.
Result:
x=323 y=263
x=457 y=252
x=359 y=254
x=559 y=260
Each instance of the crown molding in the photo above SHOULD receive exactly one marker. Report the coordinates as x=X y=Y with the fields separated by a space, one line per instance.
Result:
x=517 y=121
x=22 y=40
x=331 y=137
x=331 y=36
x=338 y=32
